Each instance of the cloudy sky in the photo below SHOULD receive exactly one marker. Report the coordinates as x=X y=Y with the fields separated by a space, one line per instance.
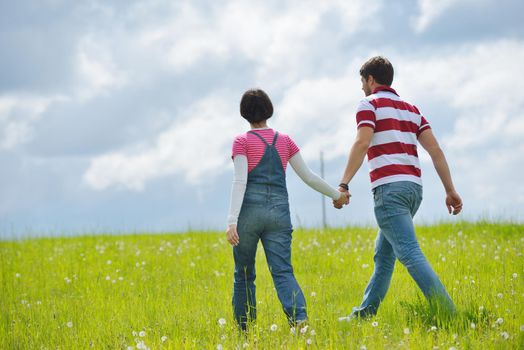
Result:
x=119 y=116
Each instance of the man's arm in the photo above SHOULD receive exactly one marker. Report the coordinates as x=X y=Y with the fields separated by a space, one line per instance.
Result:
x=356 y=156
x=430 y=144
x=357 y=153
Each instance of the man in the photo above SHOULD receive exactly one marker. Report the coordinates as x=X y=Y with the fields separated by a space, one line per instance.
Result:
x=388 y=131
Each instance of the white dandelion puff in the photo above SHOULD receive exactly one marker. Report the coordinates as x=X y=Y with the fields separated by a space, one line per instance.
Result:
x=313 y=294
x=222 y=322
x=433 y=328
x=309 y=341
x=292 y=330
x=504 y=335
x=313 y=333
x=163 y=339
x=70 y=324
x=109 y=262
x=17 y=275
x=219 y=347
x=473 y=325
x=499 y=320
x=515 y=275
x=406 y=330
x=303 y=330
x=500 y=295
x=374 y=323
x=273 y=327
x=142 y=334
x=108 y=278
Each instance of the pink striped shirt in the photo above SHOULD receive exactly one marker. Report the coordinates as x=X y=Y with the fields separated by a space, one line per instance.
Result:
x=392 y=154
x=253 y=148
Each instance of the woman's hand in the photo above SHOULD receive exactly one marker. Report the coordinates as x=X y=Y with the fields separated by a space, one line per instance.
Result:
x=232 y=235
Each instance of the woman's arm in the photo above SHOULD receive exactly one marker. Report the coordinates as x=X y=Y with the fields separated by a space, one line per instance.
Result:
x=238 y=189
x=237 y=197
x=311 y=179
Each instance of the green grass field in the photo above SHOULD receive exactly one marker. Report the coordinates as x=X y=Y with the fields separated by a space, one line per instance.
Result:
x=169 y=291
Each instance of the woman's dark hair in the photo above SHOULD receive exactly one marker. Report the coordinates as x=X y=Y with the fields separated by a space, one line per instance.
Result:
x=256 y=106
x=380 y=68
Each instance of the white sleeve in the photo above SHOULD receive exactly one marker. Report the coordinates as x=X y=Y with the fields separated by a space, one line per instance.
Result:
x=238 y=189
x=311 y=179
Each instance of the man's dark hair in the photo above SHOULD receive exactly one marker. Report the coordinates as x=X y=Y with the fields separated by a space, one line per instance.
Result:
x=380 y=68
x=256 y=106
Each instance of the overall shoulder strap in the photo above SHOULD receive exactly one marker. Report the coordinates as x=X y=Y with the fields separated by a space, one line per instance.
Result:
x=275 y=138
x=260 y=137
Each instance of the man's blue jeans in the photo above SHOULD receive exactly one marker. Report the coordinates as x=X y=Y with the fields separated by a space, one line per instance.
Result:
x=395 y=205
x=268 y=220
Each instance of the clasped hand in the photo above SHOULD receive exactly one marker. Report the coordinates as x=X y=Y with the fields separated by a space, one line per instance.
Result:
x=343 y=200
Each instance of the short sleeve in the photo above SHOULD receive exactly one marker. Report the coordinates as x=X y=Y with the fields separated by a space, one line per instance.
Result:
x=239 y=146
x=365 y=114
x=292 y=147
x=423 y=125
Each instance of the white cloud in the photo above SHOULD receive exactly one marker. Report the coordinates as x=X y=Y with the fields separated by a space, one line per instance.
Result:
x=276 y=36
x=18 y=116
x=431 y=10
x=195 y=146
x=96 y=69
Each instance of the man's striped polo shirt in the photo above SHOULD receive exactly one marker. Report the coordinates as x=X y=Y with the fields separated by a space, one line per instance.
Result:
x=392 y=154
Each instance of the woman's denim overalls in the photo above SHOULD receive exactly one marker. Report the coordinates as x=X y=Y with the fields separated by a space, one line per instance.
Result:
x=265 y=216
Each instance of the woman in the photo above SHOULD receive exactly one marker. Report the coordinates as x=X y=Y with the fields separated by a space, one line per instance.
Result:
x=260 y=210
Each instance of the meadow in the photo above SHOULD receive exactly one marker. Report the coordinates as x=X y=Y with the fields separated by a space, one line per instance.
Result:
x=173 y=291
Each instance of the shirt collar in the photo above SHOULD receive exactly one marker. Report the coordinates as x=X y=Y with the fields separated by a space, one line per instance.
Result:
x=384 y=88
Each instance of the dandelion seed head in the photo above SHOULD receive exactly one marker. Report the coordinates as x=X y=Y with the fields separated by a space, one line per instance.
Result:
x=374 y=323
x=499 y=320
x=273 y=327
x=406 y=330
x=108 y=278
x=109 y=262
x=142 y=334
x=245 y=345
x=303 y=330
x=313 y=294
x=313 y=333
x=292 y=330
x=309 y=341
x=473 y=325
x=433 y=328
x=500 y=295
x=163 y=339
x=222 y=322
x=504 y=335
x=70 y=324
x=219 y=347
x=515 y=275
x=17 y=275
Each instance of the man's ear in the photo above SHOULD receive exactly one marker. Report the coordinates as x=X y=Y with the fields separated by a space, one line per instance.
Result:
x=370 y=80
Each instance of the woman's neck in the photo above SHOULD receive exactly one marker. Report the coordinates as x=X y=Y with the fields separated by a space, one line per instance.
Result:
x=259 y=125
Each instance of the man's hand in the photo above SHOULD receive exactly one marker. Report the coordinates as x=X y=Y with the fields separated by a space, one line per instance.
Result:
x=343 y=200
x=453 y=202
x=232 y=235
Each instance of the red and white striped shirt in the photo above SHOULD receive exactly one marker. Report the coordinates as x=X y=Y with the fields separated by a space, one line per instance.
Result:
x=392 y=155
x=253 y=148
